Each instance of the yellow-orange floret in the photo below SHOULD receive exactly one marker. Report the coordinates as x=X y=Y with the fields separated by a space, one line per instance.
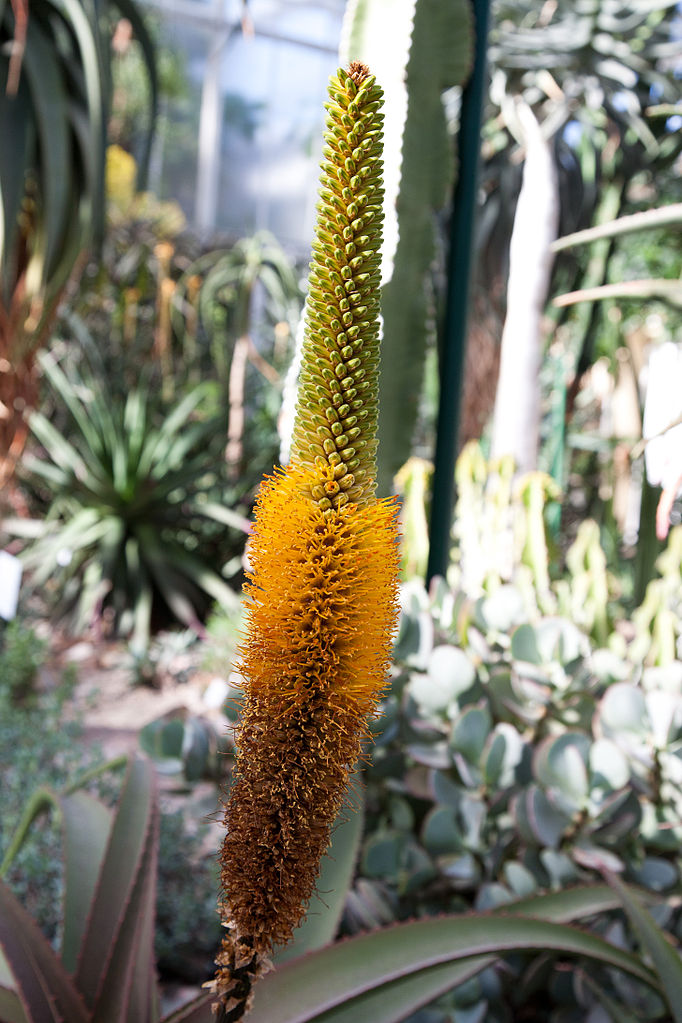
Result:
x=322 y=606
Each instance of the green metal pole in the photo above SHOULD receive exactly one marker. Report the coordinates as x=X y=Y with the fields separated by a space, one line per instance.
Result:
x=459 y=274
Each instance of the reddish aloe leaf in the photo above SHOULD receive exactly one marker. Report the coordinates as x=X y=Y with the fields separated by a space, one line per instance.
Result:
x=127 y=992
x=318 y=985
x=196 y=1011
x=45 y=990
x=119 y=873
x=398 y=999
x=86 y=824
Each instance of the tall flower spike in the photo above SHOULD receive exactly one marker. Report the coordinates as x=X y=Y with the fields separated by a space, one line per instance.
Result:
x=322 y=590
x=336 y=414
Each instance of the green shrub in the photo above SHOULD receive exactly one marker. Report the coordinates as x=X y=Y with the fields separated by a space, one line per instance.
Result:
x=39 y=746
x=512 y=757
x=187 y=925
x=21 y=656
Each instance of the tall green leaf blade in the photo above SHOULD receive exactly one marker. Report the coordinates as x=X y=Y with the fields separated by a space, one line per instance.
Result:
x=15 y=124
x=51 y=106
x=307 y=988
x=61 y=451
x=45 y=990
x=86 y=825
x=157 y=442
x=440 y=55
x=336 y=873
x=664 y=216
x=220 y=513
x=172 y=569
x=127 y=988
x=120 y=870
x=145 y=1000
x=87 y=36
x=394 y=1001
x=67 y=393
x=129 y=9
x=569 y=904
x=665 y=957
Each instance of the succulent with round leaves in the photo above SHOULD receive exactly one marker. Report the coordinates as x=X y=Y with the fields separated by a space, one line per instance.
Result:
x=512 y=758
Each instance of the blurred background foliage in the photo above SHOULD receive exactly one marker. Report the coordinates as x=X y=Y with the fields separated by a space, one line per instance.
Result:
x=530 y=739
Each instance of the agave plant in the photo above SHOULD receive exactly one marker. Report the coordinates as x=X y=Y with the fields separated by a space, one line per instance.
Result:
x=128 y=497
x=54 y=101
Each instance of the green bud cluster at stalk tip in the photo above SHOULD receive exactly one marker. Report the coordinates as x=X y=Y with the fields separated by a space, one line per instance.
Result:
x=336 y=414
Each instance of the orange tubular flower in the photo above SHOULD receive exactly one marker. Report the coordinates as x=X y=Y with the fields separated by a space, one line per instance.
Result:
x=322 y=591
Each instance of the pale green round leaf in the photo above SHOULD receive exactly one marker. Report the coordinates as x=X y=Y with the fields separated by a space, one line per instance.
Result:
x=470 y=732
x=441 y=833
x=608 y=766
x=502 y=610
x=623 y=709
x=656 y=874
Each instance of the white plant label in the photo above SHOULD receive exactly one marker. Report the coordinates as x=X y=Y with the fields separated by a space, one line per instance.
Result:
x=10 y=581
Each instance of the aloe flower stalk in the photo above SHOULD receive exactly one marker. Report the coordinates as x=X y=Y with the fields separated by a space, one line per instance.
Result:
x=322 y=589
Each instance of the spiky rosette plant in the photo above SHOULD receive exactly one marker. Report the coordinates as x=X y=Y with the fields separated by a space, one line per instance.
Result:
x=322 y=591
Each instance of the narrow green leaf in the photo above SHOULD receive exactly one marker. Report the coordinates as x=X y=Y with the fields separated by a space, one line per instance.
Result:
x=144 y=999
x=86 y=824
x=157 y=442
x=15 y=124
x=172 y=568
x=664 y=955
x=616 y=1012
x=59 y=449
x=206 y=578
x=45 y=990
x=569 y=904
x=120 y=870
x=127 y=988
x=336 y=873
x=130 y=10
x=392 y=1002
x=67 y=393
x=86 y=36
x=664 y=216
x=667 y=290
x=218 y=512
x=51 y=106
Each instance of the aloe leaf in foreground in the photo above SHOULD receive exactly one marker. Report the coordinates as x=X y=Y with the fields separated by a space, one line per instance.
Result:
x=665 y=957
x=352 y=973
x=117 y=888
x=87 y=824
x=45 y=990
